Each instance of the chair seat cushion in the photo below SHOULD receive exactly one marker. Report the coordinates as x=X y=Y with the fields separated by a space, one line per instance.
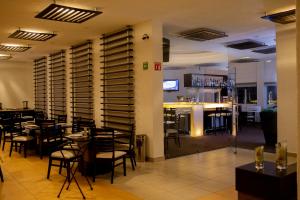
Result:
x=8 y=134
x=108 y=155
x=71 y=146
x=54 y=139
x=22 y=138
x=62 y=154
x=171 y=131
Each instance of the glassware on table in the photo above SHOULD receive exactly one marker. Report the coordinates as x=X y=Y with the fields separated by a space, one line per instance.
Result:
x=259 y=157
x=281 y=155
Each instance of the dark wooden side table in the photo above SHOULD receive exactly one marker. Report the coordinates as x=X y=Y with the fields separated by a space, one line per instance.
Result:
x=266 y=184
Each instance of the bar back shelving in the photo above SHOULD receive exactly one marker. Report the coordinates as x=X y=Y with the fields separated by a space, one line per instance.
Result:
x=82 y=81
x=117 y=82
x=40 y=84
x=57 y=78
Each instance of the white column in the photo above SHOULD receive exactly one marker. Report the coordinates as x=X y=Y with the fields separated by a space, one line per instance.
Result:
x=287 y=99
x=148 y=87
x=297 y=86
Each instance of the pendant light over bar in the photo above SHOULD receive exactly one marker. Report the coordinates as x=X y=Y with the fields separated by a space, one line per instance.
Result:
x=13 y=48
x=66 y=14
x=28 y=35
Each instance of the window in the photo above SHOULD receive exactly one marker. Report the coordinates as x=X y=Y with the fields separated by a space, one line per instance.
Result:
x=247 y=95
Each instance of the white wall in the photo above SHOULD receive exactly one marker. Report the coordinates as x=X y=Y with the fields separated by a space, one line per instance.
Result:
x=148 y=87
x=16 y=84
x=287 y=99
x=171 y=96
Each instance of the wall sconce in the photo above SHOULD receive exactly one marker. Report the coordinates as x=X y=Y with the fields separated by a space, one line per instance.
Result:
x=145 y=37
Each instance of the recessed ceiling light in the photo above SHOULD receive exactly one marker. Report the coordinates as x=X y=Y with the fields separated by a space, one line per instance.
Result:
x=67 y=14
x=268 y=61
x=30 y=35
x=5 y=56
x=246 y=57
x=13 y=47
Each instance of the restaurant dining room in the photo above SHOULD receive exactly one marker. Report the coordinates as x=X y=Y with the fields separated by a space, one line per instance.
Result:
x=130 y=100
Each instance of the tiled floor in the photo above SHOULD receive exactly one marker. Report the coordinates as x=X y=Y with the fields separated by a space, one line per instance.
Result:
x=204 y=176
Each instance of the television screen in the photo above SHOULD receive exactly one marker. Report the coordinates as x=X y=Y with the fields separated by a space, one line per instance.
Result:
x=171 y=85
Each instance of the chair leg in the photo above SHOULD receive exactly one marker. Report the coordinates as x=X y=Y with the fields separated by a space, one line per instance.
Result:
x=11 y=148
x=132 y=162
x=124 y=165
x=25 y=149
x=112 y=172
x=60 y=166
x=49 y=167
x=1 y=175
x=3 y=145
x=1 y=135
x=20 y=147
x=94 y=170
x=68 y=171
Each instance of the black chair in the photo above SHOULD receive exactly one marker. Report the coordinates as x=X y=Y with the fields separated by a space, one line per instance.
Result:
x=171 y=127
x=62 y=119
x=103 y=142
x=20 y=141
x=51 y=135
x=76 y=124
x=11 y=127
x=127 y=145
x=39 y=116
x=62 y=155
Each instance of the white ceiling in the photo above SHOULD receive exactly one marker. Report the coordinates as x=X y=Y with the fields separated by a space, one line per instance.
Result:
x=240 y=19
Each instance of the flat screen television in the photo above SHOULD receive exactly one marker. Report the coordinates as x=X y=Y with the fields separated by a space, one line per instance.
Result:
x=171 y=85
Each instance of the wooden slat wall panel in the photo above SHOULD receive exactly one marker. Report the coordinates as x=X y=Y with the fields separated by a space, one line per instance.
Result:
x=118 y=80
x=40 y=84
x=57 y=84
x=82 y=80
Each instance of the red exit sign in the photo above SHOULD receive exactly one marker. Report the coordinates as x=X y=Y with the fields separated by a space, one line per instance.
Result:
x=157 y=66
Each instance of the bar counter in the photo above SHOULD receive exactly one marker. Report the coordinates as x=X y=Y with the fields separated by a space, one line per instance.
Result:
x=197 y=113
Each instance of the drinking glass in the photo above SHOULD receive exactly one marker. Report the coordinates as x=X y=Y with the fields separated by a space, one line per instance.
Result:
x=281 y=155
x=259 y=157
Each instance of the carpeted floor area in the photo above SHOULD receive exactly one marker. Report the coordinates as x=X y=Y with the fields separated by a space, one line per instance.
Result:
x=248 y=137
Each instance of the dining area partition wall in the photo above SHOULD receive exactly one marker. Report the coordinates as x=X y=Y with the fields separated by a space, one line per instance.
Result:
x=57 y=79
x=40 y=84
x=118 y=80
x=82 y=81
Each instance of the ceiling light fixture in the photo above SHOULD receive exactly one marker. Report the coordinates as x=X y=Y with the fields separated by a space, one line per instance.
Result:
x=284 y=17
x=268 y=50
x=202 y=34
x=67 y=14
x=13 y=47
x=5 y=56
x=29 y=35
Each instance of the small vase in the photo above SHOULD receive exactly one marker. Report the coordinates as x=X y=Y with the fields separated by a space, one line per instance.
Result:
x=281 y=155
x=259 y=157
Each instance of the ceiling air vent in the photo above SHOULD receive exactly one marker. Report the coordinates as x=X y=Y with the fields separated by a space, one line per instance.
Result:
x=174 y=68
x=268 y=50
x=282 y=17
x=202 y=34
x=245 y=60
x=245 y=44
